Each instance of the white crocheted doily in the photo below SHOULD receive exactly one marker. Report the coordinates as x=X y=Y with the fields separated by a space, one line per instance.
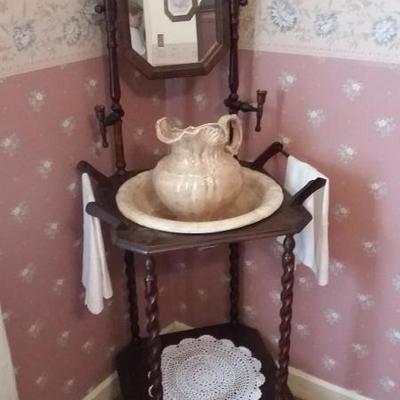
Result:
x=210 y=369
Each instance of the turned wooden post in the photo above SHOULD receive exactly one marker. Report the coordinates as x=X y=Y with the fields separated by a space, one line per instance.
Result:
x=114 y=117
x=234 y=10
x=153 y=330
x=288 y=262
x=132 y=294
x=234 y=282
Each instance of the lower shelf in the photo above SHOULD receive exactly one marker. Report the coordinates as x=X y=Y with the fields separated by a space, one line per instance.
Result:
x=132 y=365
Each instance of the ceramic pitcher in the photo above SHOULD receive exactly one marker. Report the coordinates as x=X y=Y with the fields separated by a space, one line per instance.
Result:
x=200 y=176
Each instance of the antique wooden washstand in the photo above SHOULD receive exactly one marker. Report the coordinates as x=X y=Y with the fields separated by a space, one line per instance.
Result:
x=143 y=380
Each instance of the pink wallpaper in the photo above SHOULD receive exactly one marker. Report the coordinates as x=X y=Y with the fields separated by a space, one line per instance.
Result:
x=59 y=349
x=342 y=116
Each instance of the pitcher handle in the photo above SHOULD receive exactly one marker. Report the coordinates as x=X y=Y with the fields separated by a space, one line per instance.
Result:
x=232 y=123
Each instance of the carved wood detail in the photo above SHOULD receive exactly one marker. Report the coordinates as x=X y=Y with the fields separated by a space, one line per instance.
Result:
x=132 y=294
x=153 y=330
x=288 y=262
x=234 y=282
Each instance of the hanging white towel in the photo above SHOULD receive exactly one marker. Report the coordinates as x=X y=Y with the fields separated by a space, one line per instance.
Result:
x=312 y=247
x=8 y=388
x=95 y=275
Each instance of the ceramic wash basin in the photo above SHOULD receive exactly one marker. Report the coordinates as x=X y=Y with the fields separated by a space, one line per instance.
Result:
x=260 y=198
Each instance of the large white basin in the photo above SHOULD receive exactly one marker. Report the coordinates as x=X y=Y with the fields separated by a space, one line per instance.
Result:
x=260 y=198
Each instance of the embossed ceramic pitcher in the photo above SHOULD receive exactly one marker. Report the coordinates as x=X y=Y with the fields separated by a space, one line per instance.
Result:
x=200 y=176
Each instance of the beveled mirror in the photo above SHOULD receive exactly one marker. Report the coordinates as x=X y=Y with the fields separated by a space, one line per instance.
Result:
x=173 y=38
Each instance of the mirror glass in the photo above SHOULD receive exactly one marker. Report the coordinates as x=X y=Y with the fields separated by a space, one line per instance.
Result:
x=173 y=32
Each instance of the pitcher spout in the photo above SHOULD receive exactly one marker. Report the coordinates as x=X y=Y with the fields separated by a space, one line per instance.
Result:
x=167 y=133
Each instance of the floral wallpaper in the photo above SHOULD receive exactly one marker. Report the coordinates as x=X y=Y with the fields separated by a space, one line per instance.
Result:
x=356 y=29
x=348 y=127
x=59 y=349
x=36 y=34
x=346 y=123
x=343 y=117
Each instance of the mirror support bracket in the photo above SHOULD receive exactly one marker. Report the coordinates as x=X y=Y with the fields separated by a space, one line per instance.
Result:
x=234 y=104
x=114 y=117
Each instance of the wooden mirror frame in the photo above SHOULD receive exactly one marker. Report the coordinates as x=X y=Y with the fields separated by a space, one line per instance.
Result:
x=211 y=59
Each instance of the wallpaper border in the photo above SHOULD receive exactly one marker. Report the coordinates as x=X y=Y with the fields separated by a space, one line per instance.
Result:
x=344 y=29
x=40 y=34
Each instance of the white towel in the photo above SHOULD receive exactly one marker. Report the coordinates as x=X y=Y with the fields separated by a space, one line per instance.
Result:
x=8 y=388
x=95 y=275
x=312 y=247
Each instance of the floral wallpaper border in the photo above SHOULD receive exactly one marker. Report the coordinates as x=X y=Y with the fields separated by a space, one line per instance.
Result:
x=36 y=34
x=355 y=29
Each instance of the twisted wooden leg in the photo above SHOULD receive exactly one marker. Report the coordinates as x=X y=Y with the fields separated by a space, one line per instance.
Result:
x=234 y=272
x=288 y=261
x=153 y=330
x=132 y=294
